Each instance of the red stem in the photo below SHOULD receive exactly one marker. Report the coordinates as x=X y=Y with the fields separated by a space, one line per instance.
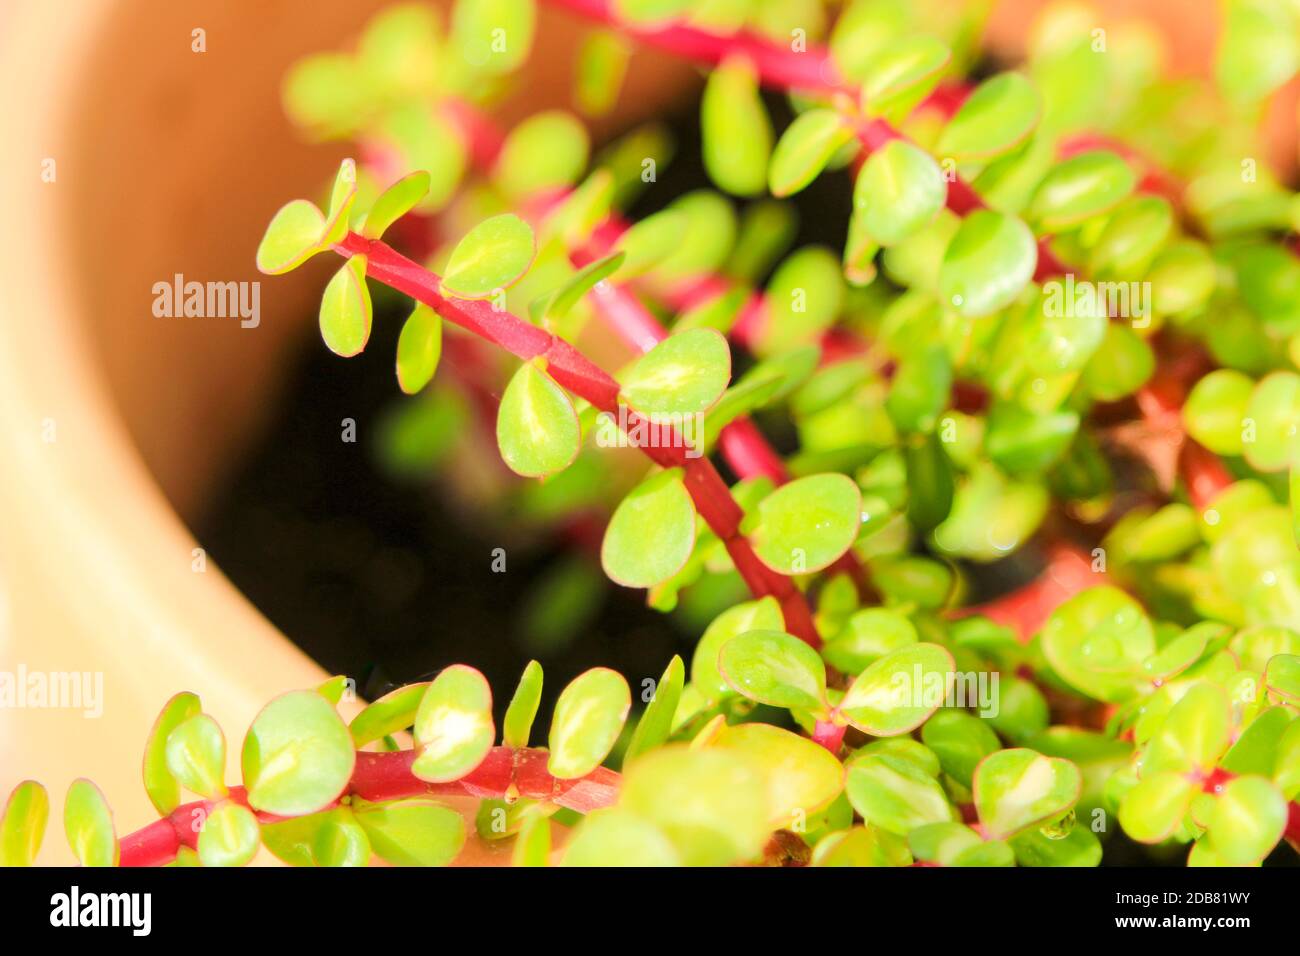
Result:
x=777 y=66
x=504 y=773
x=572 y=370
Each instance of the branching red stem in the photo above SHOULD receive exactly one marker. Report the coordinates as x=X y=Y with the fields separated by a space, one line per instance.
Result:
x=572 y=370
x=504 y=774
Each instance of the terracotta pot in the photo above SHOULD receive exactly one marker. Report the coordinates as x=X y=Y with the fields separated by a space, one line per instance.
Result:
x=130 y=157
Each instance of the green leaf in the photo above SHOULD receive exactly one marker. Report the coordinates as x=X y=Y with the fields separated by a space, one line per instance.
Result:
x=650 y=241
x=345 y=309
x=492 y=256
x=1079 y=188
x=1248 y=820
x=775 y=668
x=393 y=712
x=901 y=75
x=326 y=94
x=419 y=348
x=395 y=202
x=494 y=36
x=292 y=238
x=929 y=482
x=340 y=841
x=1274 y=413
x=920 y=389
x=426 y=140
x=1080 y=847
x=230 y=836
x=1122 y=364
x=987 y=264
x=1097 y=641
x=557 y=304
x=400 y=52
x=942 y=842
x=710 y=232
x=297 y=755
x=862 y=846
x=685 y=374
x=588 y=718
x=453 y=727
x=994 y=120
x=1282 y=678
x=737 y=135
x=712 y=804
x=900 y=691
x=1153 y=809
x=656 y=722
x=292 y=840
x=533 y=844
x=616 y=837
x=1016 y=789
x=1258 y=49
x=899 y=190
x=1133 y=236
x=163 y=789
x=869 y=635
x=803 y=777
x=808 y=524
x=537 y=428
x=342 y=196
x=1021 y=442
x=960 y=741
x=88 y=825
x=804 y=297
x=804 y=149
x=411 y=832
x=1193 y=735
x=649 y=12
x=196 y=756
x=761 y=615
x=546 y=151
x=602 y=64
x=651 y=534
x=896 y=795
x=22 y=824
x=518 y=722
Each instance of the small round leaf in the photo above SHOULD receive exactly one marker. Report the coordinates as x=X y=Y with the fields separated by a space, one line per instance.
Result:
x=589 y=716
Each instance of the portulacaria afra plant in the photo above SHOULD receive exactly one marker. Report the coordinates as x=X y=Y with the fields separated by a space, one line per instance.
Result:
x=1062 y=333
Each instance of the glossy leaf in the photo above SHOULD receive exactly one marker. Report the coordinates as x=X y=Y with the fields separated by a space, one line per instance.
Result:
x=537 y=428
x=345 y=309
x=297 y=756
x=88 y=825
x=870 y=634
x=994 y=120
x=774 y=668
x=656 y=722
x=896 y=795
x=902 y=74
x=196 y=756
x=803 y=777
x=617 y=837
x=22 y=824
x=395 y=202
x=1097 y=642
x=737 y=135
x=230 y=836
x=651 y=534
x=987 y=264
x=1085 y=185
x=413 y=832
x=899 y=190
x=493 y=255
x=807 y=524
x=518 y=721
x=419 y=347
x=589 y=716
x=761 y=615
x=712 y=804
x=291 y=238
x=900 y=691
x=453 y=727
x=1016 y=789
x=685 y=374
x=545 y=151
x=1248 y=820
x=163 y=789
x=393 y=712
x=804 y=149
